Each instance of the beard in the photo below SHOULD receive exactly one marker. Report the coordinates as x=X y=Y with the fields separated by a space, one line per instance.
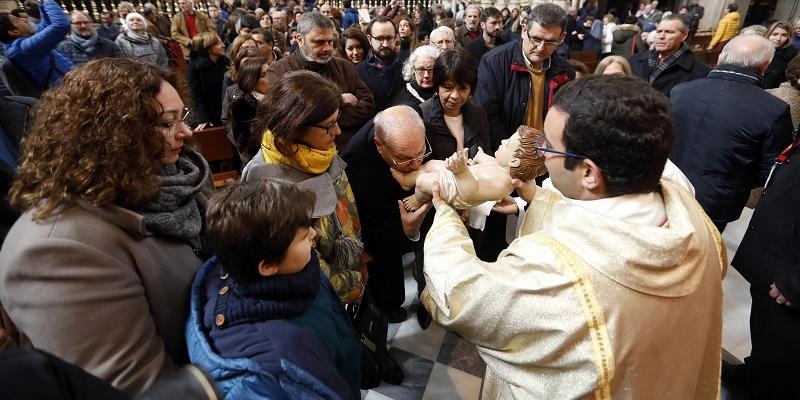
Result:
x=385 y=55
x=311 y=57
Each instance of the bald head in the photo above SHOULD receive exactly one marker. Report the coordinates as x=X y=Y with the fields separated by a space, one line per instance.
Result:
x=400 y=136
x=748 y=51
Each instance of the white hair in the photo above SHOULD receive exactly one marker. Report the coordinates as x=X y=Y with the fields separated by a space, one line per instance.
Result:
x=422 y=52
x=748 y=51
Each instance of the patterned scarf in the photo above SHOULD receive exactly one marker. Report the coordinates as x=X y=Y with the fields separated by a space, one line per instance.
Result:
x=87 y=44
x=306 y=159
x=657 y=68
x=175 y=212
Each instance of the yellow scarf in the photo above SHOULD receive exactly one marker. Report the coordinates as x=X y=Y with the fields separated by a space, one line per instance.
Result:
x=305 y=158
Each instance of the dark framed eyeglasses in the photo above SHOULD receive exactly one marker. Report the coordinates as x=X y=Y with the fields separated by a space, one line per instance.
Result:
x=176 y=124
x=542 y=148
x=428 y=151
x=329 y=126
x=536 y=42
x=421 y=71
x=381 y=39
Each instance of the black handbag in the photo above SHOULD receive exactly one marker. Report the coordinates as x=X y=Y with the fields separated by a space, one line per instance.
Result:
x=372 y=327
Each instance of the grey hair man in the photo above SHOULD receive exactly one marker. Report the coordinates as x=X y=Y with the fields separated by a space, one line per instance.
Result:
x=724 y=145
x=316 y=35
x=470 y=30
x=443 y=38
x=671 y=61
x=84 y=43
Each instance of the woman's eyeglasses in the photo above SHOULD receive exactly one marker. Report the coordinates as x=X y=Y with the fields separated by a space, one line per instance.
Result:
x=176 y=124
x=331 y=125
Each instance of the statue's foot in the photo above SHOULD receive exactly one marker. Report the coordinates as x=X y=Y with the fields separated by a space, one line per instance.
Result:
x=412 y=203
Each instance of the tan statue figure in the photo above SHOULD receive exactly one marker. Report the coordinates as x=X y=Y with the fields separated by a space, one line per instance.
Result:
x=464 y=183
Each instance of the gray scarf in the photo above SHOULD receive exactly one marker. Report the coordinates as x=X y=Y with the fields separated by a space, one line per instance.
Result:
x=87 y=44
x=175 y=213
x=138 y=37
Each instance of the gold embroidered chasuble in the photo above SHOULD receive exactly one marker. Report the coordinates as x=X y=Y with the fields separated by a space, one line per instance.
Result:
x=582 y=305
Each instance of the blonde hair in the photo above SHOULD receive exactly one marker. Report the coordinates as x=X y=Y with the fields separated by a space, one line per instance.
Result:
x=604 y=63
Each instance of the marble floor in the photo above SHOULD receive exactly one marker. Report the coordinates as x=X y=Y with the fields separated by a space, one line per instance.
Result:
x=439 y=365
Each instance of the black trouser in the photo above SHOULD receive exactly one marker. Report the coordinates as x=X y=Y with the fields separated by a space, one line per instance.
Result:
x=773 y=363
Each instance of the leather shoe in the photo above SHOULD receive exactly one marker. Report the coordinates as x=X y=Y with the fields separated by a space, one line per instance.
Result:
x=397 y=315
x=391 y=372
x=423 y=317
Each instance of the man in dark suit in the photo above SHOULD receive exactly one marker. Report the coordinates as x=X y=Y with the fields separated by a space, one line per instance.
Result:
x=382 y=68
x=723 y=144
x=769 y=259
x=394 y=139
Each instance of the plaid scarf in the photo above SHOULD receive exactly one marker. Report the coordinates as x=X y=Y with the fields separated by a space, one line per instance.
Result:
x=657 y=68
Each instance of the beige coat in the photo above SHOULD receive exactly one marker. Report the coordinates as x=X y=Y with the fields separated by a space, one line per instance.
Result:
x=790 y=95
x=181 y=35
x=95 y=288
x=586 y=306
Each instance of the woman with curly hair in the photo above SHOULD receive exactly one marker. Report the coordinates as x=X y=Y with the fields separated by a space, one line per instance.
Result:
x=355 y=44
x=297 y=123
x=97 y=270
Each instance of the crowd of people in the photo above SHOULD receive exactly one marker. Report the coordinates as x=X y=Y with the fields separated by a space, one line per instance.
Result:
x=122 y=260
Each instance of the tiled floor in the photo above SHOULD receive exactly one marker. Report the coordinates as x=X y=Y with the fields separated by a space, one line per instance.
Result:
x=439 y=365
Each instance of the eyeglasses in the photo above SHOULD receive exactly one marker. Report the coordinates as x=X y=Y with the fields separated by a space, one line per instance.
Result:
x=331 y=125
x=542 y=147
x=81 y=23
x=536 y=42
x=421 y=71
x=381 y=39
x=428 y=151
x=176 y=124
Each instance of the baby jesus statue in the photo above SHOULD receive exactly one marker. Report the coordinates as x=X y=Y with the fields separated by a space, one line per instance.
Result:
x=465 y=183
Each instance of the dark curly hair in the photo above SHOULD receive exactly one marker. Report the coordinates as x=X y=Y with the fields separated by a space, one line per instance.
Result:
x=299 y=99
x=629 y=137
x=94 y=137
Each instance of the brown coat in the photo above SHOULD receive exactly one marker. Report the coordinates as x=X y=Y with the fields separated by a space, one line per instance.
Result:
x=181 y=35
x=94 y=287
x=343 y=73
x=790 y=95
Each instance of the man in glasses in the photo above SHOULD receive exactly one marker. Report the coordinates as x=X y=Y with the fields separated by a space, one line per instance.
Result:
x=315 y=39
x=516 y=84
x=382 y=68
x=84 y=43
x=394 y=139
x=616 y=275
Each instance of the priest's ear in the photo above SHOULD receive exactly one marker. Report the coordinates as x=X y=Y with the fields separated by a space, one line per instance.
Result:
x=592 y=177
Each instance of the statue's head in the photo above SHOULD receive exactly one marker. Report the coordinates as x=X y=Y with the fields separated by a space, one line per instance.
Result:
x=526 y=163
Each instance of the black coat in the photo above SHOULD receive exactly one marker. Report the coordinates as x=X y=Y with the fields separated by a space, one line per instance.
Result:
x=687 y=68
x=776 y=72
x=383 y=83
x=406 y=98
x=477 y=48
x=376 y=194
x=205 y=82
x=725 y=144
x=443 y=143
x=504 y=85
x=769 y=253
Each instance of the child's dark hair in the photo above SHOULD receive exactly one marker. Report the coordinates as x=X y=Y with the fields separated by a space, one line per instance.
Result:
x=254 y=221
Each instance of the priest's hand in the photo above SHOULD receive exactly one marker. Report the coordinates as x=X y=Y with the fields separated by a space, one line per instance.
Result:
x=507 y=206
